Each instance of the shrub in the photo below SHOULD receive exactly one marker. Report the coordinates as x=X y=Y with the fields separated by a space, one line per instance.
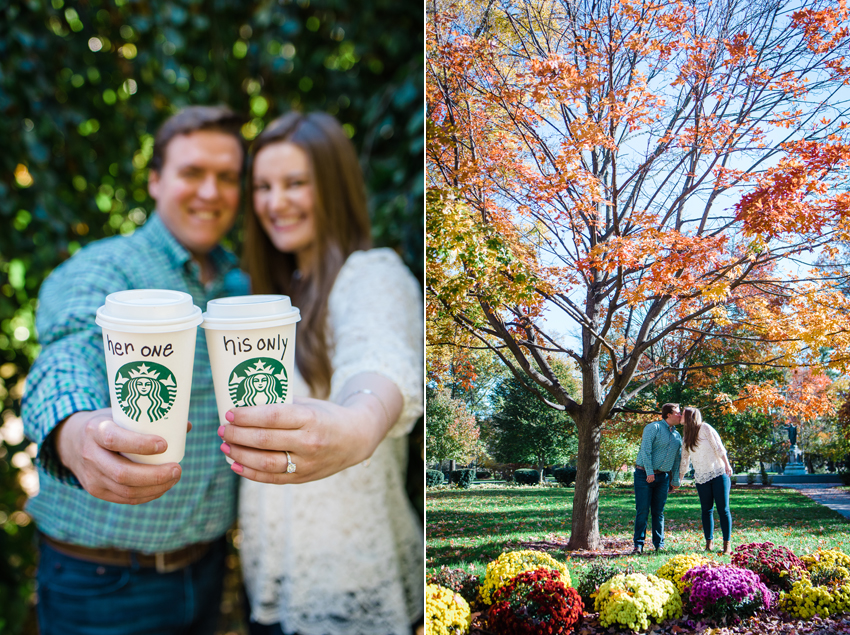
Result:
x=725 y=593
x=511 y=563
x=636 y=600
x=806 y=599
x=463 y=478
x=535 y=602
x=527 y=477
x=607 y=476
x=677 y=566
x=596 y=575
x=461 y=582
x=433 y=478
x=483 y=475
x=777 y=566
x=446 y=612
x=565 y=475
x=751 y=478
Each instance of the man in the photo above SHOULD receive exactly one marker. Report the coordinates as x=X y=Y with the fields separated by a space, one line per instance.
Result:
x=128 y=547
x=659 y=456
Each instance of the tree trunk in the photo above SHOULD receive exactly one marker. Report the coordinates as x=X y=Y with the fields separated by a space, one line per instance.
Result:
x=541 y=467
x=585 y=520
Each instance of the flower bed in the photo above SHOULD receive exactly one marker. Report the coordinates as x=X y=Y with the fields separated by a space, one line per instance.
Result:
x=531 y=592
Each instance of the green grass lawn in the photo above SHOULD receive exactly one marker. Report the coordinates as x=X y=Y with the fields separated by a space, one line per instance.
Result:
x=466 y=529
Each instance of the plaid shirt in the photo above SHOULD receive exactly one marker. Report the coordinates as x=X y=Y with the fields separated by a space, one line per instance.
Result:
x=660 y=449
x=70 y=376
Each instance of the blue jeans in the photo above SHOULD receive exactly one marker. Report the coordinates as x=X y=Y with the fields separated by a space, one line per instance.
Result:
x=650 y=497
x=76 y=597
x=715 y=492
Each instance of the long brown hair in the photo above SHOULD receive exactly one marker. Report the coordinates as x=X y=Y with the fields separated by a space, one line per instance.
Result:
x=692 y=419
x=342 y=227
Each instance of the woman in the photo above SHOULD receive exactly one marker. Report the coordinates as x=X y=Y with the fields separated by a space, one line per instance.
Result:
x=341 y=553
x=701 y=446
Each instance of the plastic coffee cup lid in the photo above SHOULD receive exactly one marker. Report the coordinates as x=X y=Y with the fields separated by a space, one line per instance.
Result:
x=250 y=312
x=148 y=311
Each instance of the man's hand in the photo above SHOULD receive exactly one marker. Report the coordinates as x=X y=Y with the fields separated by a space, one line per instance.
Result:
x=650 y=478
x=88 y=444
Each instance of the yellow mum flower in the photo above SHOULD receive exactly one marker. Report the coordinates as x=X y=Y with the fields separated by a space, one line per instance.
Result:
x=446 y=612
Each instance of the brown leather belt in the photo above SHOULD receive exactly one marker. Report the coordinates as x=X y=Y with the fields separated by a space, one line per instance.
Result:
x=163 y=561
x=638 y=467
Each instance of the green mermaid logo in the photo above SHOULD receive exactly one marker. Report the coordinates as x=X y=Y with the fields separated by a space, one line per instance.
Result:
x=146 y=391
x=258 y=381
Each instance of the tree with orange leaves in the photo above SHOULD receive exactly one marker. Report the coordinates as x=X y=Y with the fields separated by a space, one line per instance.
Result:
x=646 y=177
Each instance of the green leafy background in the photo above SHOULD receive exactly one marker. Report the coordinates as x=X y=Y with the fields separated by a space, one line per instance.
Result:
x=83 y=87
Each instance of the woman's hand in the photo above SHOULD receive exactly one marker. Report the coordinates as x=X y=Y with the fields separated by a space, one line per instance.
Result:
x=322 y=437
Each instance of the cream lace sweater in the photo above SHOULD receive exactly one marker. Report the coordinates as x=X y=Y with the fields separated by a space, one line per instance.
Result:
x=344 y=555
x=706 y=457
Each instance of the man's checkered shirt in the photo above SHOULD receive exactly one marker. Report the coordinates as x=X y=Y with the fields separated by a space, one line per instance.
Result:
x=70 y=376
x=660 y=449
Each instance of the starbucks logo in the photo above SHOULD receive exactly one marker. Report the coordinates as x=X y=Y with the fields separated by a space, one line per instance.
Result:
x=258 y=381
x=146 y=391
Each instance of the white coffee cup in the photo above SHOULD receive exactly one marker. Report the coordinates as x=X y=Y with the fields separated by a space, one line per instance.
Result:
x=149 y=343
x=251 y=341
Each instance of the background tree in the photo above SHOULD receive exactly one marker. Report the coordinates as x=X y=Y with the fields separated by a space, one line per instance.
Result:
x=452 y=433
x=523 y=429
x=467 y=373
x=642 y=176
x=84 y=85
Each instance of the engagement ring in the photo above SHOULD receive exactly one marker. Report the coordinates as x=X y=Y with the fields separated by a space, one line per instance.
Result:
x=290 y=466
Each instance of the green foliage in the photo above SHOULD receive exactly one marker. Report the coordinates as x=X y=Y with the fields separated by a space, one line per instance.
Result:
x=452 y=432
x=434 y=478
x=83 y=87
x=463 y=478
x=616 y=451
x=17 y=556
x=527 y=477
x=597 y=574
x=565 y=475
x=525 y=430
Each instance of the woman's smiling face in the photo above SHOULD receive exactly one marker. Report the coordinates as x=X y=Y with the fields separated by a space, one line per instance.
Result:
x=285 y=199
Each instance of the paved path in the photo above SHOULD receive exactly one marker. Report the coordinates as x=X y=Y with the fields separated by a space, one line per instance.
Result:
x=825 y=494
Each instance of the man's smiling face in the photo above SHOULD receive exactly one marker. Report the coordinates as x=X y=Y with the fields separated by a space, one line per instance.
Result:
x=197 y=189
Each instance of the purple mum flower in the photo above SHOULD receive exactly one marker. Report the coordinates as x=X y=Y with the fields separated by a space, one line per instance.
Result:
x=725 y=592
